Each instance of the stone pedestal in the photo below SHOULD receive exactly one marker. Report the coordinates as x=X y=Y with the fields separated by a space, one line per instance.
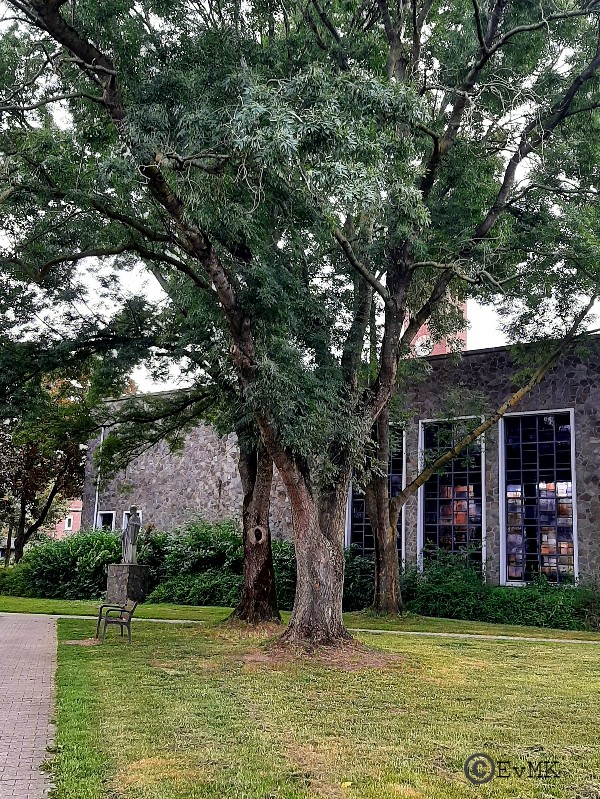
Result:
x=126 y=581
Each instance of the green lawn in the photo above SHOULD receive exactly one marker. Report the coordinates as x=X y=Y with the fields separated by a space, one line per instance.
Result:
x=409 y=623
x=202 y=712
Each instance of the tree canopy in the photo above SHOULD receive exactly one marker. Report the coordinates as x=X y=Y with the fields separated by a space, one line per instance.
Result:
x=43 y=457
x=309 y=184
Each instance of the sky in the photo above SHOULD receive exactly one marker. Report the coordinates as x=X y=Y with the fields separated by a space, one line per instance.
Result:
x=484 y=330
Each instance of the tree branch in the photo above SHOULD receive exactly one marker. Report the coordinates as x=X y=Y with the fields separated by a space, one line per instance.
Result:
x=488 y=48
x=479 y=26
x=527 y=145
x=57 y=98
x=418 y=320
x=359 y=266
x=400 y=499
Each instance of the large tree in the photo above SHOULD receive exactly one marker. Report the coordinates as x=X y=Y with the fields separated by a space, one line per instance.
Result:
x=300 y=174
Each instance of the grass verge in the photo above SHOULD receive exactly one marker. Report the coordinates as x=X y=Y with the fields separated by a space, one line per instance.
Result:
x=203 y=712
x=364 y=619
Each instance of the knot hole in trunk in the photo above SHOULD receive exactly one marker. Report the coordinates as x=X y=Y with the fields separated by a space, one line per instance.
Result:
x=258 y=533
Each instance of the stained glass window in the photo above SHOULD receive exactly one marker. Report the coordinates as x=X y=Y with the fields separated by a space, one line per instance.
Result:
x=452 y=498
x=361 y=532
x=539 y=497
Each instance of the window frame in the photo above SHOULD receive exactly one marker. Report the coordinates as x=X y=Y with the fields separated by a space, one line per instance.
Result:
x=68 y=525
x=348 y=528
x=100 y=513
x=503 y=527
x=126 y=514
x=421 y=491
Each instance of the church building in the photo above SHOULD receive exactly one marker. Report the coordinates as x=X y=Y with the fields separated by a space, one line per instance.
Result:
x=524 y=501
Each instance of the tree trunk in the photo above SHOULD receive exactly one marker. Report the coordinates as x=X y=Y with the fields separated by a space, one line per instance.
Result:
x=258 y=602
x=19 y=545
x=21 y=537
x=319 y=521
x=8 y=545
x=384 y=522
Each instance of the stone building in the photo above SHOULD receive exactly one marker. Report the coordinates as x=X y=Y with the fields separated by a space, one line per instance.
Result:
x=524 y=501
x=170 y=488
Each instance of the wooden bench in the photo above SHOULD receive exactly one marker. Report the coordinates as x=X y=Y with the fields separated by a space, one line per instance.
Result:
x=123 y=617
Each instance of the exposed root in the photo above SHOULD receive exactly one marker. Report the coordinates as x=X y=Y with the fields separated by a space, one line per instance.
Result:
x=256 y=616
x=346 y=655
x=242 y=629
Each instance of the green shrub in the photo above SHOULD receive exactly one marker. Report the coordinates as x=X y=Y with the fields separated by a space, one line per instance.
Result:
x=201 y=546
x=222 y=586
x=13 y=581
x=450 y=587
x=284 y=563
x=203 y=565
x=73 y=568
x=359 y=580
x=212 y=587
x=152 y=550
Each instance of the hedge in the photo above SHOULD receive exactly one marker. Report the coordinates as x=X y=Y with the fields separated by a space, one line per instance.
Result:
x=202 y=564
x=73 y=568
x=450 y=587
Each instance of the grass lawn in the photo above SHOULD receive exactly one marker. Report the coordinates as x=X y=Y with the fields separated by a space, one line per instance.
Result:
x=203 y=712
x=365 y=620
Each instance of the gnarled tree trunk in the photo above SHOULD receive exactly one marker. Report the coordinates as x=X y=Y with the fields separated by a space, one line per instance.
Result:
x=387 y=597
x=319 y=522
x=258 y=602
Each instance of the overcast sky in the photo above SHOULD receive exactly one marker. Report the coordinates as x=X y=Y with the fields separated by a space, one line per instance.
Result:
x=484 y=330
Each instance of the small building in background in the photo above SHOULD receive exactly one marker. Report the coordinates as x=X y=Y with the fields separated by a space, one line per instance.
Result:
x=71 y=522
x=3 y=545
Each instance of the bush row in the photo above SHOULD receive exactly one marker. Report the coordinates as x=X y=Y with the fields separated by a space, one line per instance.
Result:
x=199 y=565
x=203 y=563
x=450 y=587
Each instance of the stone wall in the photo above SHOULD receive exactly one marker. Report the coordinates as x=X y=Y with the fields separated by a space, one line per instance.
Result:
x=171 y=488
x=573 y=383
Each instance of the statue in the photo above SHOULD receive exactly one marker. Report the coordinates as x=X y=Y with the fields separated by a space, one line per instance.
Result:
x=129 y=537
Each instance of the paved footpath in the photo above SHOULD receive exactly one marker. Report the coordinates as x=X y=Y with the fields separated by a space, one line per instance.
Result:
x=27 y=666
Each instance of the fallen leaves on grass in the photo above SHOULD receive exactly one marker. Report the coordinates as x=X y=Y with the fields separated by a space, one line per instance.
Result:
x=315 y=764
x=83 y=642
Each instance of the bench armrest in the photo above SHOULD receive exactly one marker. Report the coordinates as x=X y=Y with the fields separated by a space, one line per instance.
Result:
x=120 y=611
x=113 y=607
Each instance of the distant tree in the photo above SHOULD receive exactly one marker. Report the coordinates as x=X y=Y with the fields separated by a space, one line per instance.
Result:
x=43 y=459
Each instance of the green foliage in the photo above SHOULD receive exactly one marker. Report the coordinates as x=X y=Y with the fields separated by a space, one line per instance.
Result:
x=202 y=564
x=201 y=546
x=359 y=579
x=152 y=550
x=73 y=568
x=284 y=563
x=272 y=125
x=450 y=587
x=14 y=581
x=205 y=569
x=213 y=587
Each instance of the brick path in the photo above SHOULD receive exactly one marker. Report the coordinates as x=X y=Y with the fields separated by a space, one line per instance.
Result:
x=27 y=666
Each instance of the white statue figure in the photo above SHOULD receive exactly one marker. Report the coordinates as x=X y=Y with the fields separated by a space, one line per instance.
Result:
x=129 y=537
